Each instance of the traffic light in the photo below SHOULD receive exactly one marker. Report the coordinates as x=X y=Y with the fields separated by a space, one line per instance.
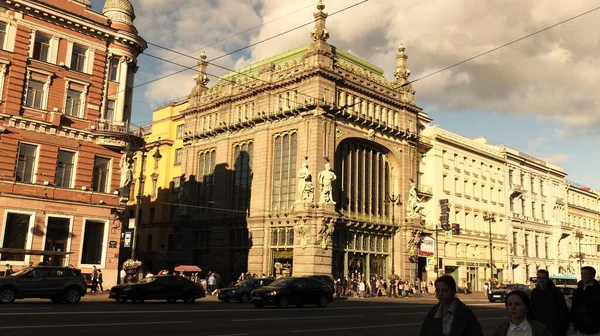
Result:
x=455 y=229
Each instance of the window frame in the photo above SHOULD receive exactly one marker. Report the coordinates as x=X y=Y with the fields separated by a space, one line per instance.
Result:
x=35 y=162
x=81 y=102
x=107 y=185
x=105 y=240
x=114 y=107
x=178 y=156
x=71 y=219
x=29 y=240
x=114 y=70
x=73 y=168
x=179 y=130
x=84 y=65
x=49 y=52
x=28 y=95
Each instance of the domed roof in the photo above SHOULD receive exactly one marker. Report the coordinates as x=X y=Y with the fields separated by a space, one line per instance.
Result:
x=120 y=11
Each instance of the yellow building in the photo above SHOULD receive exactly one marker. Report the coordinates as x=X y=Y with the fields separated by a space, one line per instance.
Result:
x=583 y=216
x=161 y=176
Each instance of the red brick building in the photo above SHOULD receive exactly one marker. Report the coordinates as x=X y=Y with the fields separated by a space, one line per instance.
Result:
x=66 y=78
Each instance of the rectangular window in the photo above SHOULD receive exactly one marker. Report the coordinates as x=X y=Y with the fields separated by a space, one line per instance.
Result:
x=3 y=35
x=78 y=58
x=35 y=94
x=515 y=244
x=546 y=248
x=64 y=169
x=527 y=245
x=176 y=184
x=178 y=156
x=533 y=213
x=57 y=239
x=206 y=169
x=100 y=181
x=543 y=212
x=180 y=129
x=109 y=114
x=16 y=231
x=26 y=163
x=537 y=246
x=41 y=47
x=284 y=171
x=113 y=69
x=93 y=242
x=73 y=104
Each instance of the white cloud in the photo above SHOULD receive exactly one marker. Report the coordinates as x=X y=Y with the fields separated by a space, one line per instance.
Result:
x=552 y=75
x=557 y=158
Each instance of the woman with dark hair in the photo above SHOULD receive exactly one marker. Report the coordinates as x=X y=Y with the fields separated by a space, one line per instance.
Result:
x=521 y=320
x=450 y=316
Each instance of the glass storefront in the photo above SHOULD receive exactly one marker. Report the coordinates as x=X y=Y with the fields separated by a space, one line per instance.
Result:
x=282 y=251
x=359 y=254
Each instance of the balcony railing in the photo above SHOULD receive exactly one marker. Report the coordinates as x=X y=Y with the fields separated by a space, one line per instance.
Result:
x=111 y=126
x=425 y=190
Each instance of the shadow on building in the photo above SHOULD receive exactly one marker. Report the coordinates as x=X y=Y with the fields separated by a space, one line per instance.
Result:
x=198 y=220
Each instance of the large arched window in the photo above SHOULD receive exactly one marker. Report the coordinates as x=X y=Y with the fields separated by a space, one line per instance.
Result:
x=364 y=175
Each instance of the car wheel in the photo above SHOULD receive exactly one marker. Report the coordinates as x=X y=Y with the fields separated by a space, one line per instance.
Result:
x=282 y=302
x=323 y=302
x=171 y=300
x=7 y=295
x=258 y=305
x=245 y=298
x=72 y=295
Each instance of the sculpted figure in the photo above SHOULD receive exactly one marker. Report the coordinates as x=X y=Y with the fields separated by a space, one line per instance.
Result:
x=306 y=188
x=414 y=205
x=326 y=177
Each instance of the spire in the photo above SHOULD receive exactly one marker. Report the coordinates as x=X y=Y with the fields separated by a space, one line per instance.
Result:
x=402 y=72
x=201 y=78
x=320 y=33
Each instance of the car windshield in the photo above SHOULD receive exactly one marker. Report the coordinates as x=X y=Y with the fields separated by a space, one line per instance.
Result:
x=21 y=272
x=147 y=280
x=281 y=282
x=245 y=283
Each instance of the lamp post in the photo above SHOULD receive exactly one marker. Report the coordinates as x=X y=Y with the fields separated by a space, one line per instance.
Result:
x=394 y=200
x=579 y=236
x=490 y=219
x=140 y=194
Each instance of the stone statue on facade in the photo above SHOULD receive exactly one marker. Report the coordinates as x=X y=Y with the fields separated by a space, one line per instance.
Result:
x=326 y=178
x=306 y=189
x=326 y=231
x=302 y=233
x=411 y=246
x=182 y=196
x=414 y=206
x=126 y=177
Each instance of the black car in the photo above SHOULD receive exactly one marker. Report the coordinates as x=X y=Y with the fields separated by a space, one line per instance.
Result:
x=162 y=287
x=326 y=279
x=59 y=284
x=241 y=292
x=294 y=291
x=499 y=294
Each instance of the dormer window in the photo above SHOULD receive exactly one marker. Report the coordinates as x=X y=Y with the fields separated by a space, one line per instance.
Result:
x=41 y=47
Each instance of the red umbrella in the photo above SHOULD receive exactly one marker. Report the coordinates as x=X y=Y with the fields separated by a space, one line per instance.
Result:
x=188 y=268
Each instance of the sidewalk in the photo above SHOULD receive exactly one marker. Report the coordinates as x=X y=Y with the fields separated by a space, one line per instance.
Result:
x=103 y=297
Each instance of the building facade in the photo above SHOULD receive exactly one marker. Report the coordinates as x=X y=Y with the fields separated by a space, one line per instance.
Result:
x=66 y=77
x=536 y=209
x=469 y=176
x=583 y=215
x=288 y=164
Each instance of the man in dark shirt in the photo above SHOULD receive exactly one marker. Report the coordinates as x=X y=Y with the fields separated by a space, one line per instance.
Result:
x=549 y=305
x=585 y=312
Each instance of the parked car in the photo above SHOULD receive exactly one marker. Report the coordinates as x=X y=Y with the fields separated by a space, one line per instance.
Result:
x=163 y=287
x=326 y=279
x=293 y=291
x=242 y=290
x=499 y=294
x=59 y=284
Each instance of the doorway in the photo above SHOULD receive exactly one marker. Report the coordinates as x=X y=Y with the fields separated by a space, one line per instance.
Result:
x=57 y=239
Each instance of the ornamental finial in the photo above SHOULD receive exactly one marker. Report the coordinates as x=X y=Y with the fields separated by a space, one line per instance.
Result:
x=203 y=55
x=321 y=5
x=401 y=48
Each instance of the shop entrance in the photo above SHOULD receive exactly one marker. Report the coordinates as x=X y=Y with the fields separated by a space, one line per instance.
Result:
x=473 y=278
x=282 y=261
x=57 y=238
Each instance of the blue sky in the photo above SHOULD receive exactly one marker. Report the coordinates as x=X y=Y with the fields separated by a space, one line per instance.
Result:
x=538 y=96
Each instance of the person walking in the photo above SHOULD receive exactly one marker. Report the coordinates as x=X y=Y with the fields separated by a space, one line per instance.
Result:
x=585 y=311
x=100 y=280
x=122 y=275
x=8 y=271
x=521 y=320
x=94 y=280
x=450 y=316
x=549 y=305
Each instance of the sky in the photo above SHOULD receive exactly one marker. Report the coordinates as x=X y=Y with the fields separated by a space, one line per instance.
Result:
x=538 y=95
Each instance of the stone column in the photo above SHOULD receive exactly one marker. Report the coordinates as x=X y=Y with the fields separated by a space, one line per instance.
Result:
x=311 y=227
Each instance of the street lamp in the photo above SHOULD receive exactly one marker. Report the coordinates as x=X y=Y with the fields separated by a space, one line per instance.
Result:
x=579 y=236
x=394 y=200
x=490 y=219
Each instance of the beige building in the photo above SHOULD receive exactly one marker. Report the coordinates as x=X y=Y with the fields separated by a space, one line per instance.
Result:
x=258 y=195
x=583 y=216
x=470 y=175
x=536 y=212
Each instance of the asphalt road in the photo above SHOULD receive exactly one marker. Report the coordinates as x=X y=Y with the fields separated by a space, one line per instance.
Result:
x=98 y=316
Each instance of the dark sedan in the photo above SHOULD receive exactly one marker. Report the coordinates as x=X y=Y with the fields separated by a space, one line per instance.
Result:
x=293 y=291
x=164 y=287
x=241 y=292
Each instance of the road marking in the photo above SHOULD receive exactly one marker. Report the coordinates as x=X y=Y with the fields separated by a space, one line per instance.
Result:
x=378 y=326
x=91 y=325
x=232 y=335
x=297 y=318
x=113 y=312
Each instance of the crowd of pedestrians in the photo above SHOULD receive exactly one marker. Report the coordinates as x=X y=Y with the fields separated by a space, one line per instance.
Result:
x=544 y=314
x=377 y=286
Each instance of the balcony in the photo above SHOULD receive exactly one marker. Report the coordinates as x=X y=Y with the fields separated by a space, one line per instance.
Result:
x=516 y=190
x=115 y=134
x=566 y=226
x=425 y=191
x=560 y=200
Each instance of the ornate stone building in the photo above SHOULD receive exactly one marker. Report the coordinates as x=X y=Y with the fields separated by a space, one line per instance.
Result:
x=470 y=175
x=258 y=194
x=583 y=216
x=66 y=77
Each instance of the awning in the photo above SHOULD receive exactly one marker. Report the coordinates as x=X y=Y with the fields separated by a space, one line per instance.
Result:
x=33 y=252
x=188 y=268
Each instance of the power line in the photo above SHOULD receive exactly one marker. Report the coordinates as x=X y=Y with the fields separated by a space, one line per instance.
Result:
x=246 y=47
x=504 y=45
x=232 y=36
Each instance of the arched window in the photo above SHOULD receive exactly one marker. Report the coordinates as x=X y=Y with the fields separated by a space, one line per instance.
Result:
x=284 y=170
x=364 y=179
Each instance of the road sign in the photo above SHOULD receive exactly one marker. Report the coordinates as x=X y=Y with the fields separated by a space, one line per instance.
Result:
x=448 y=235
x=429 y=261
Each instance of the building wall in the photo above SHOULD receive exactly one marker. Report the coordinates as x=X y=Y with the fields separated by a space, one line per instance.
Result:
x=583 y=215
x=470 y=175
x=50 y=126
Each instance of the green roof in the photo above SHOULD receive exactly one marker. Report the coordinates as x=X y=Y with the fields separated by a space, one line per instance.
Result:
x=296 y=54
